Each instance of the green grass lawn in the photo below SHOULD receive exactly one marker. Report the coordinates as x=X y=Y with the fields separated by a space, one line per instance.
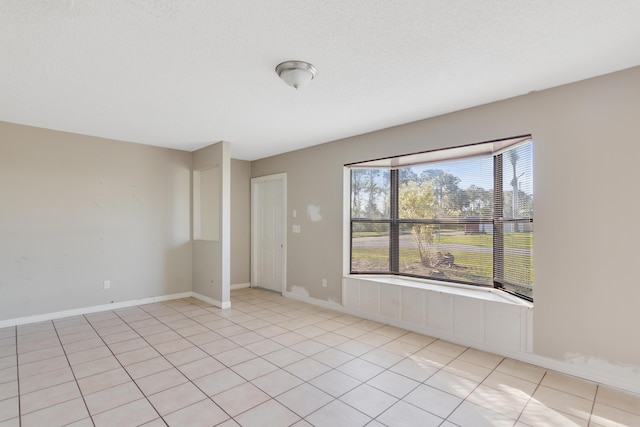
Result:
x=468 y=266
x=370 y=233
x=511 y=240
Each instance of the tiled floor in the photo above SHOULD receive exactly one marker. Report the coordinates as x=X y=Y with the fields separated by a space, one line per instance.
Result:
x=272 y=361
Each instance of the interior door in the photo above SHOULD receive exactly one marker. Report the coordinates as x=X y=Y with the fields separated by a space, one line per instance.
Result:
x=268 y=232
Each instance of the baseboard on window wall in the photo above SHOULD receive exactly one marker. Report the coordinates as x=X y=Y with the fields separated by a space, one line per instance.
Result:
x=331 y=305
x=623 y=377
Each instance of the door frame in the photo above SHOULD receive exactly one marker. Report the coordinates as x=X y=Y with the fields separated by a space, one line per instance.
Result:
x=255 y=182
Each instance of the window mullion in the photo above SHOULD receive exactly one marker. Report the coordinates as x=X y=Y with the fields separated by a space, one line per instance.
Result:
x=394 y=232
x=498 y=229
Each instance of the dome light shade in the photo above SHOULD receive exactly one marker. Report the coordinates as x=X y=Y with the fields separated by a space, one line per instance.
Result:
x=296 y=73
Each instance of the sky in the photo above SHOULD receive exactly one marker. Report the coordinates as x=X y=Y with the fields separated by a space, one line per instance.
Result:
x=479 y=171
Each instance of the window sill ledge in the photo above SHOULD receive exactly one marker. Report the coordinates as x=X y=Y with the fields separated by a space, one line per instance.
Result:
x=476 y=292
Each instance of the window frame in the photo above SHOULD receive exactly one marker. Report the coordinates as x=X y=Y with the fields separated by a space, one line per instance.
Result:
x=497 y=221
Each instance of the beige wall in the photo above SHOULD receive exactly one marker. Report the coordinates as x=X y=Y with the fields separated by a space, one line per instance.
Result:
x=586 y=174
x=240 y=222
x=77 y=210
x=211 y=258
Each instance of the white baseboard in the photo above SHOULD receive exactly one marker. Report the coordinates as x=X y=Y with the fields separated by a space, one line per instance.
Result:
x=106 y=307
x=621 y=377
x=324 y=304
x=211 y=301
x=240 y=286
x=87 y=310
x=600 y=371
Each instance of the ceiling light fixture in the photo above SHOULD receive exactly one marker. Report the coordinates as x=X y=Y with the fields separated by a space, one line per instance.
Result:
x=296 y=73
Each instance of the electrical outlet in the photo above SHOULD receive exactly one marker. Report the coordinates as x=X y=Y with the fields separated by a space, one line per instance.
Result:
x=324 y=283
x=107 y=284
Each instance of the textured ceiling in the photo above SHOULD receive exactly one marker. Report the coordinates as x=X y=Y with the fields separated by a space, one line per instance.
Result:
x=186 y=73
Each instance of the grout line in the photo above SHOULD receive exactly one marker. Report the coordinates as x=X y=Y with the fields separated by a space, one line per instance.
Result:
x=230 y=318
x=593 y=404
x=168 y=361
x=384 y=369
x=122 y=366
x=532 y=393
x=18 y=379
x=72 y=373
x=374 y=347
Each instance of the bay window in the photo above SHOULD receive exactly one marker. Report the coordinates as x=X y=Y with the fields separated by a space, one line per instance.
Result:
x=462 y=215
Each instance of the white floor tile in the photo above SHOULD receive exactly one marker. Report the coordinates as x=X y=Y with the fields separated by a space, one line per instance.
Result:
x=275 y=361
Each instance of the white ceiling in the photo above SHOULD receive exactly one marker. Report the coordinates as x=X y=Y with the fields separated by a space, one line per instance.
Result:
x=186 y=73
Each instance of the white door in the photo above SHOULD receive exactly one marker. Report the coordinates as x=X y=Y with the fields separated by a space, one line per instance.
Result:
x=268 y=232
